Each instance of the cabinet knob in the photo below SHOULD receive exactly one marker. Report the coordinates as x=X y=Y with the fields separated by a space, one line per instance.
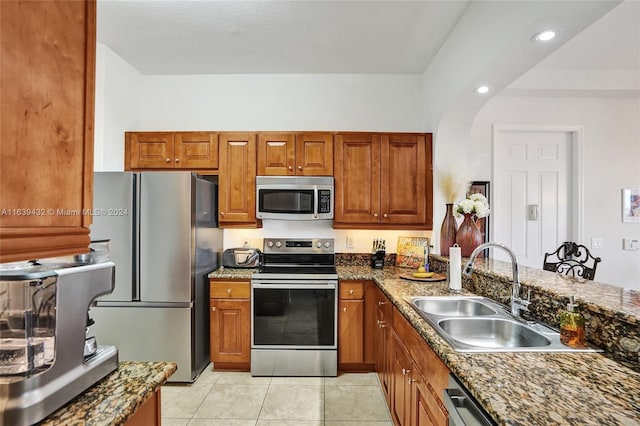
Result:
x=213 y=309
x=177 y=160
x=229 y=290
x=410 y=380
x=382 y=303
x=351 y=291
x=405 y=371
x=385 y=215
x=221 y=213
x=299 y=167
x=168 y=160
x=290 y=167
x=375 y=215
x=344 y=309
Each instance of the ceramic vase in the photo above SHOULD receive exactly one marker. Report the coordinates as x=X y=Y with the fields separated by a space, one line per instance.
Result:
x=447 y=231
x=468 y=236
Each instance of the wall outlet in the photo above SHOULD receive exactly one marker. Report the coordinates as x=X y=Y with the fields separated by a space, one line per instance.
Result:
x=630 y=244
x=349 y=242
x=597 y=243
x=245 y=241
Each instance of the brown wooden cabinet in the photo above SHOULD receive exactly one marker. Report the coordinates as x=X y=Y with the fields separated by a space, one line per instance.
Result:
x=237 y=182
x=383 y=343
x=383 y=181
x=230 y=324
x=420 y=400
x=356 y=330
x=402 y=378
x=46 y=133
x=171 y=150
x=351 y=323
x=149 y=413
x=289 y=154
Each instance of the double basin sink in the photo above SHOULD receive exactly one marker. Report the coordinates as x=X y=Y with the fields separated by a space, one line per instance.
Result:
x=478 y=324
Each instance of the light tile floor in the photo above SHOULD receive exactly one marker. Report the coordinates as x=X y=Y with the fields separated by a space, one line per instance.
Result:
x=237 y=399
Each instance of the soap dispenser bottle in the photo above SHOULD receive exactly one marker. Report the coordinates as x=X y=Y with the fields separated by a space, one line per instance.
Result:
x=572 y=326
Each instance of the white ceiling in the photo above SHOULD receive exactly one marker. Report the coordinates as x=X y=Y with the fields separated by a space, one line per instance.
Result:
x=346 y=37
x=243 y=37
x=611 y=42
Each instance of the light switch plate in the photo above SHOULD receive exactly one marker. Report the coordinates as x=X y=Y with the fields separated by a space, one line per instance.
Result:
x=597 y=243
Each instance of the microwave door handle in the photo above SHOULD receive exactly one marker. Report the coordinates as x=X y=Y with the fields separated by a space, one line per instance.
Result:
x=316 y=207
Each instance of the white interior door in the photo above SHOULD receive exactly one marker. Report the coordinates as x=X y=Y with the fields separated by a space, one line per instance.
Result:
x=532 y=191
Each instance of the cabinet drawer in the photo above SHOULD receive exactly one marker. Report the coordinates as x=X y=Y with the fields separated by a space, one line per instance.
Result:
x=351 y=290
x=229 y=290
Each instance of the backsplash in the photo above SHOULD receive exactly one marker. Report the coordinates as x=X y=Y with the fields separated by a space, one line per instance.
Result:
x=612 y=313
x=362 y=259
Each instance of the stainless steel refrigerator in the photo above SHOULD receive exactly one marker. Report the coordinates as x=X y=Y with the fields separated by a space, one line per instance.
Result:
x=164 y=242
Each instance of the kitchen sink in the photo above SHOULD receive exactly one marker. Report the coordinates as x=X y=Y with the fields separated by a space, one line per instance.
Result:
x=492 y=333
x=453 y=306
x=479 y=324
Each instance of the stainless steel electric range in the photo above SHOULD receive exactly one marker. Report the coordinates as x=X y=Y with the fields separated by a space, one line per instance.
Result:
x=294 y=309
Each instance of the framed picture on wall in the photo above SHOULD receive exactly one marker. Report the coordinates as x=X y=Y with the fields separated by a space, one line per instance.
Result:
x=631 y=205
x=481 y=187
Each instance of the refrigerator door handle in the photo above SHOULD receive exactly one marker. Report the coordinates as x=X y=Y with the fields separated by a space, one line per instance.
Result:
x=135 y=238
x=112 y=304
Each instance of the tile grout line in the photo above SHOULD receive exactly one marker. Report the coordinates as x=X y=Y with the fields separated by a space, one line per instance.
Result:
x=264 y=399
x=205 y=397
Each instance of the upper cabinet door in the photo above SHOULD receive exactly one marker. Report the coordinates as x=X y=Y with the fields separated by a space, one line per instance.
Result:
x=150 y=150
x=357 y=178
x=237 y=182
x=46 y=138
x=276 y=154
x=171 y=150
x=403 y=178
x=314 y=154
x=195 y=150
x=288 y=154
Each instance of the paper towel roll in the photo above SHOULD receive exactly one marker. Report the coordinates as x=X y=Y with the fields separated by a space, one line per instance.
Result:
x=455 y=268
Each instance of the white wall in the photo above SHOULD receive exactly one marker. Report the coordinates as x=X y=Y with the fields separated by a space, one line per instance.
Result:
x=117 y=110
x=281 y=102
x=611 y=161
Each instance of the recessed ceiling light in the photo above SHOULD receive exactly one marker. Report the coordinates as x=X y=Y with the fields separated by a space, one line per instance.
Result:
x=545 y=35
x=482 y=89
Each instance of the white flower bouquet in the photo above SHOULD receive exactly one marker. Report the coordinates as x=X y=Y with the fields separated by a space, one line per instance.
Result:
x=476 y=205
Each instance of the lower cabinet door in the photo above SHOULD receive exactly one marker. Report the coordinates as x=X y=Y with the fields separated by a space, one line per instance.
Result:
x=351 y=332
x=427 y=407
x=230 y=324
x=401 y=367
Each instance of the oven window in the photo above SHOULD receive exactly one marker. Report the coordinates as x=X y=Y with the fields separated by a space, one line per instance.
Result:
x=294 y=317
x=286 y=201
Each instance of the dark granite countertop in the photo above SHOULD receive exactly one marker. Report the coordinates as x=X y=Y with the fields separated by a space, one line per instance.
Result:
x=521 y=388
x=115 y=398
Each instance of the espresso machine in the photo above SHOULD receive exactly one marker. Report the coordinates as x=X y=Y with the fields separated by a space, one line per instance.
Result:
x=46 y=357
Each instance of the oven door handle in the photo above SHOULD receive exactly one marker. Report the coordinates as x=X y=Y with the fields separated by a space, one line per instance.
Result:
x=309 y=284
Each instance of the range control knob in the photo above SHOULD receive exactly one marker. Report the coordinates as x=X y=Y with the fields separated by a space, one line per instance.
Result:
x=327 y=244
x=319 y=244
x=278 y=244
x=269 y=243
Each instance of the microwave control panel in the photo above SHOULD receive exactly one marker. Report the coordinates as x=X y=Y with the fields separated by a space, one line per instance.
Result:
x=324 y=201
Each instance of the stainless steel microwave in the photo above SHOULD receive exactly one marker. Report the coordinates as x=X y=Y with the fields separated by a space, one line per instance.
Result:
x=294 y=197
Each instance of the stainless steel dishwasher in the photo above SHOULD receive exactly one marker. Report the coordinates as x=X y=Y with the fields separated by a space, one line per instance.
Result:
x=463 y=409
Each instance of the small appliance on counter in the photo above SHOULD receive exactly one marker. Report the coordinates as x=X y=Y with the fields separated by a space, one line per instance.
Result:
x=242 y=257
x=46 y=358
x=378 y=253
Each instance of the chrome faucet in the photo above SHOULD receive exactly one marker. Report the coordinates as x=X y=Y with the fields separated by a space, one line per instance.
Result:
x=517 y=304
